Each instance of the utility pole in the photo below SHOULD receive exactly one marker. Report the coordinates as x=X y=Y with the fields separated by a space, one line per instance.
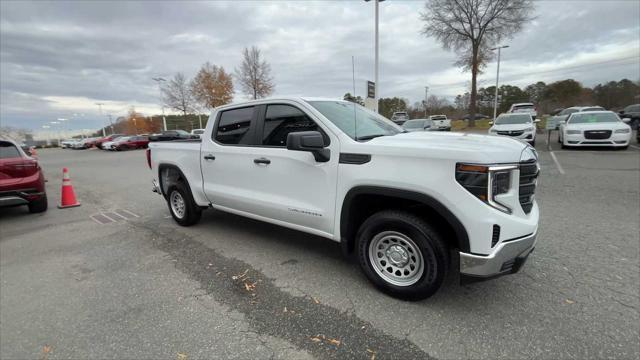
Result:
x=104 y=134
x=426 y=93
x=495 y=100
x=200 y=120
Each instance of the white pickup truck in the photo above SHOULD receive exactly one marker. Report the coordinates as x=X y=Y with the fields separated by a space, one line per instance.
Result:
x=406 y=204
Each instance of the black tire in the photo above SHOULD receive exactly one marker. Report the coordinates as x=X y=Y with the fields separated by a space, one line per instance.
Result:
x=38 y=206
x=192 y=211
x=432 y=248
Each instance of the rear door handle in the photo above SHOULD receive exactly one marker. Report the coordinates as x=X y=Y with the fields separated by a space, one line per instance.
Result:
x=262 y=161
x=209 y=157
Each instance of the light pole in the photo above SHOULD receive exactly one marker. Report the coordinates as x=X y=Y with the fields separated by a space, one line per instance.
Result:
x=48 y=134
x=375 y=85
x=159 y=80
x=495 y=100
x=426 y=92
x=104 y=133
x=65 y=128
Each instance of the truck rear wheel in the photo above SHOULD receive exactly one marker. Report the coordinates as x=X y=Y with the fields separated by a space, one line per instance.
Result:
x=183 y=208
x=402 y=255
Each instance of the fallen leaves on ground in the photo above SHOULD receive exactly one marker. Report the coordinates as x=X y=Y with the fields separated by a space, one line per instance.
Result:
x=182 y=356
x=249 y=286
x=45 y=351
x=315 y=300
x=240 y=276
x=569 y=301
x=321 y=339
x=373 y=354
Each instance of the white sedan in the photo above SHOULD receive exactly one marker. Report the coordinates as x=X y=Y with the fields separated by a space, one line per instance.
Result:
x=594 y=128
x=519 y=126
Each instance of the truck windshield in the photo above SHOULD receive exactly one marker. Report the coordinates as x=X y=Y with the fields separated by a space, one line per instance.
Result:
x=356 y=121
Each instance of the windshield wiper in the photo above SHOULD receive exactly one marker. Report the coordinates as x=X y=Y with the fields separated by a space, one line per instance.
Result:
x=369 y=137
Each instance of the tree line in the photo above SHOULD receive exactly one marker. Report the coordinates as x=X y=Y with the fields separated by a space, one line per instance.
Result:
x=548 y=98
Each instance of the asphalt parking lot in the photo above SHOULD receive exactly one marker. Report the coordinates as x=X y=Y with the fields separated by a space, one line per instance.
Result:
x=142 y=287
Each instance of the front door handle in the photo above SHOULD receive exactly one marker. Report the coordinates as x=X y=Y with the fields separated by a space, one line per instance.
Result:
x=262 y=161
x=209 y=157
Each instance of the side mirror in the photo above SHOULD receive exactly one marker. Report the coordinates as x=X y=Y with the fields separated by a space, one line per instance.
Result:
x=626 y=120
x=536 y=120
x=490 y=122
x=311 y=141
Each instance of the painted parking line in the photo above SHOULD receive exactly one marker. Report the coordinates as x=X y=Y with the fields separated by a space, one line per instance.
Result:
x=114 y=216
x=555 y=160
x=635 y=147
x=126 y=214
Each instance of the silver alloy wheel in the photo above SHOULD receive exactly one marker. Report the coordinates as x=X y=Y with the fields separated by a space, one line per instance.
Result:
x=396 y=258
x=177 y=204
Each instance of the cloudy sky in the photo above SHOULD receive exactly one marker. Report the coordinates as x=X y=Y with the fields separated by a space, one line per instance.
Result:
x=58 y=59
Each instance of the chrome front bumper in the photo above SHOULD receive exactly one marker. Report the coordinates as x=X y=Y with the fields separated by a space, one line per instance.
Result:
x=507 y=258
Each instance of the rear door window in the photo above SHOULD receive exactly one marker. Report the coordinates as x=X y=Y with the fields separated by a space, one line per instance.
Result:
x=8 y=150
x=234 y=126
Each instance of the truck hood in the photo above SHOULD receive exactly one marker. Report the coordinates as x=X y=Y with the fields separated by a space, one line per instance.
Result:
x=460 y=147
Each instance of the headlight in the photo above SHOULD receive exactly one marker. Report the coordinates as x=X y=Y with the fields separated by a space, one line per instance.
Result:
x=623 y=131
x=486 y=182
x=493 y=130
x=573 y=132
x=529 y=129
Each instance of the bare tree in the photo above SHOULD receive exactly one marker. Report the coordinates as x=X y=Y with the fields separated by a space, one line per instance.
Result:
x=471 y=27
x=254 y=74
x=212 y=86
x=176 y=94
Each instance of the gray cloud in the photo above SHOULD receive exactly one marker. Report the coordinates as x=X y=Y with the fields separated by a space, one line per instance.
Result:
x=59 y=58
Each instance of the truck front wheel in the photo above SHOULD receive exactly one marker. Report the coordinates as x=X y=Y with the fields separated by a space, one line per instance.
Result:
x=183 y=208
x=402 y=255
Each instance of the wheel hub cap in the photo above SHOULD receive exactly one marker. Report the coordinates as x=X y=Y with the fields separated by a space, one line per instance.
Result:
x=397 y=255
x=177 y=204
x=396 y=258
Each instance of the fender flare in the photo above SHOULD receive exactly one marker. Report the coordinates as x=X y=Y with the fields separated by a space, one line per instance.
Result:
x=462 y=238
x=161 y=168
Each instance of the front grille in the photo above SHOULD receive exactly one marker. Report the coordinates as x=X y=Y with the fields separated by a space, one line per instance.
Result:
x=597 y=134
x=528 y=175
x=511 y=133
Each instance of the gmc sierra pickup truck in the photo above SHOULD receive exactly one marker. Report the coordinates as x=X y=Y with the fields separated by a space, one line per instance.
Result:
x=405 y=204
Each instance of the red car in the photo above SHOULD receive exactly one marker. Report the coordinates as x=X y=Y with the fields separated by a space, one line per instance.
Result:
x=111 y=137
x=21 y=179
x=132 y=142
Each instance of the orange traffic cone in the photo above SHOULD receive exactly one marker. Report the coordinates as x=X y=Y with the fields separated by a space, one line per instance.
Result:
x=68 y=198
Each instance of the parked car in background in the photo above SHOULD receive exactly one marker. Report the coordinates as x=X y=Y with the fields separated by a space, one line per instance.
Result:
x=172 y=135
x=105 y=139
x=440 y=122
x=399 y=117
x=131 y=142
x=478 y=117
x=519 y=126
x=594 y=128
x=21 y=179
x=631 y=112
x=417 y=125
x=197 y=132
x=563 y=115
x=111 y=145
x=528 y=108
x=67 y=144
